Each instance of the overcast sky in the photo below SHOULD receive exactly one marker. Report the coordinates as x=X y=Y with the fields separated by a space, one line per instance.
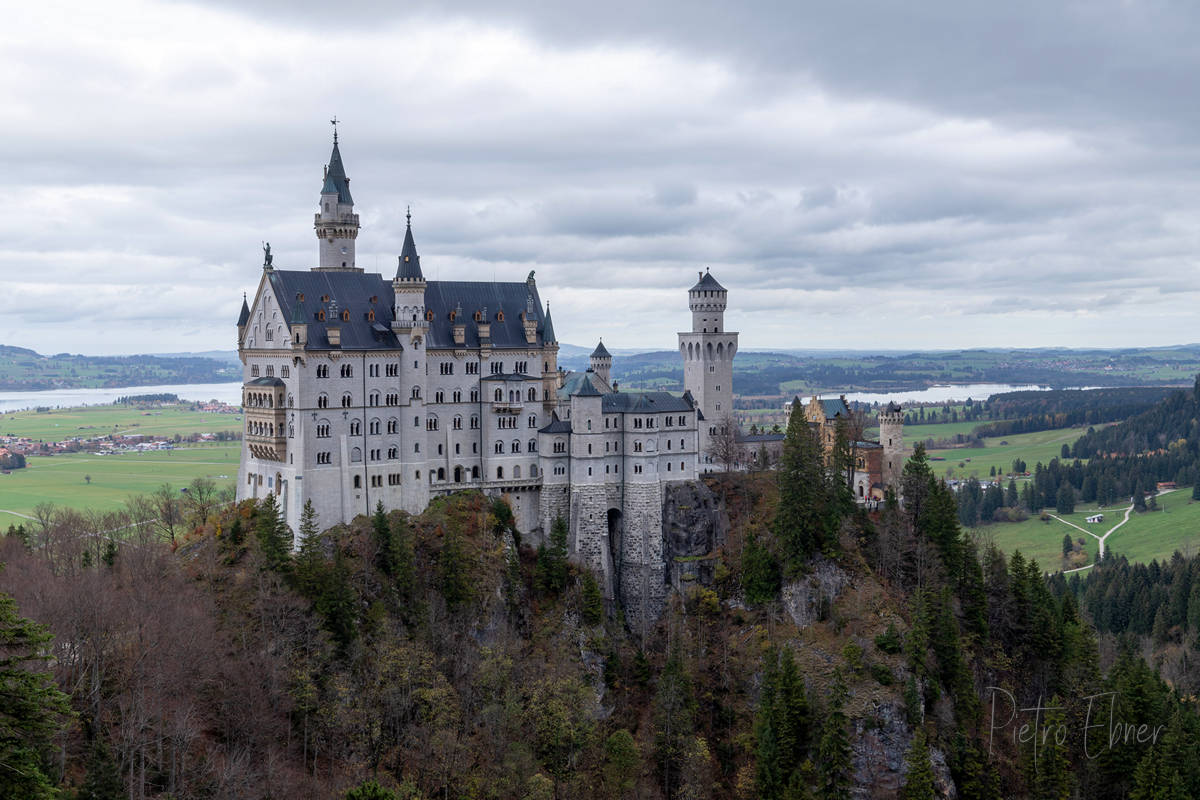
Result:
x=874 y=175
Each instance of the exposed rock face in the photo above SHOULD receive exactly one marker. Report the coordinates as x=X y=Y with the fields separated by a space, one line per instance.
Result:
x=809 y=599
x=880 y=745
x=694 y=525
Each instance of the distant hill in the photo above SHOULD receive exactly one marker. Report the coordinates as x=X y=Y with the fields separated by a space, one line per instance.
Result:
x=779 y=373
x=227 y=356
x=22 y=369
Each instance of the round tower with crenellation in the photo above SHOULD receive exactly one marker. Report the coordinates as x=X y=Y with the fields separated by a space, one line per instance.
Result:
x=707 y=351
x=891 y=436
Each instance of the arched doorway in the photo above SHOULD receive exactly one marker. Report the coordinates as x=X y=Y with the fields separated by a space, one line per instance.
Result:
x=458 y=474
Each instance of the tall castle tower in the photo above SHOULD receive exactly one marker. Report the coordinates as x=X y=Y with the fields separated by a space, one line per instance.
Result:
x=891 y=436
x=335 y=222
x=708 y=351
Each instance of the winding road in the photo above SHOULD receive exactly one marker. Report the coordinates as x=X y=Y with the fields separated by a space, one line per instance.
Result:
x=1100 y=539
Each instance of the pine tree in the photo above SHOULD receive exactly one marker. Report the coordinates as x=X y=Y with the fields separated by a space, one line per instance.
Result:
x=33 y=710
x=103 y=779
x=802 y=522
x=674 y=720
x=833 y=751
x=452 y=570
x=760 y=571
x=550 y=570
x=918 y=783
x=1052 y=779
x=337 y=601
x=272 y=533
x=592 y=600
x=381 y=532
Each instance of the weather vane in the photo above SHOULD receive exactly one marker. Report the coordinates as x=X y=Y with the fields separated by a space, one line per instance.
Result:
x=334 y=123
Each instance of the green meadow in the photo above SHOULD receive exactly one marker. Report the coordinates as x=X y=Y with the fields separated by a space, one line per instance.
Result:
x=999 y=452
x=1145 y=537
x=85 y=422
x=62 y=479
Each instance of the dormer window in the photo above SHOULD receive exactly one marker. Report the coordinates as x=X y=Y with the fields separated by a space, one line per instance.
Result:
x=478 y=317
x=499 y=316
x=346 y=315
x=300 y=297
x=324 y=298
x=452 y=316
x=429 y=316
x=374 y=299
x=371 y=316
x=321 y=315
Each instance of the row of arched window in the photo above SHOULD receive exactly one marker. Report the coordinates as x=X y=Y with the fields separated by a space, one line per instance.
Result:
x=515 y=446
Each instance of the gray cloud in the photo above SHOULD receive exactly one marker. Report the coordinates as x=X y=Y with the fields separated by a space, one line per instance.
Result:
x=855 y=173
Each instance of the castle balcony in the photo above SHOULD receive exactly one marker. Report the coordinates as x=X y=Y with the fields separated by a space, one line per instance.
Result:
x=508 y=407
x=336 y=219
x=269 y=448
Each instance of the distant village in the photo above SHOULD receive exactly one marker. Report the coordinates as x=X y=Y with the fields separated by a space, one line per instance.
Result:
x=14 y=450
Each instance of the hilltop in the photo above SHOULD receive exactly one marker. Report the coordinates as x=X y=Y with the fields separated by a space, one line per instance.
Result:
x=22 y=369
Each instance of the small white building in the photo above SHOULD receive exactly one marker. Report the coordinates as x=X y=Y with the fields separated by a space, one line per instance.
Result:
x=1096 y=519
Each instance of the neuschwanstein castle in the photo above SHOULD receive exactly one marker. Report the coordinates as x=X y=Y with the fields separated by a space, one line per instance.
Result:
x=361 y=389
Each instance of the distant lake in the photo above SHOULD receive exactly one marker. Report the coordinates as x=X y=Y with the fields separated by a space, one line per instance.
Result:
x=232 y=393
x=66 y=398
x=942 y=394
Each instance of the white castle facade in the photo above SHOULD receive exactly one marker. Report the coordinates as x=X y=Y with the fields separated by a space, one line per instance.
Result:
x=359 y=389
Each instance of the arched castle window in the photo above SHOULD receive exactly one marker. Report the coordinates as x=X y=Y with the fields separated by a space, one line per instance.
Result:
x=392 y=425
x=347 y=400
x=532 y=394
x=498 y=395
x=517 y=471
x=499 y=447
x=356 y=454
x=516 y=445
x=321 y=315
x=355 y=427
x=429 y=315
x=532 y=420
x=532 y=446
x=500 y=473
x=322 y=401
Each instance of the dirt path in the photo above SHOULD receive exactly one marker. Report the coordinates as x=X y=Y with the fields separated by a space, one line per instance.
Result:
x=1110 y=532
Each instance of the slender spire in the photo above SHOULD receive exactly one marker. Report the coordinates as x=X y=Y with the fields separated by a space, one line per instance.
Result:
x=409 y=267
x=336 y=181
x=244 y=317
x=548 y=327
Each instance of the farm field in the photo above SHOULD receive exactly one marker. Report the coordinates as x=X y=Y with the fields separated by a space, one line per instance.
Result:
x=85 y=422
x=1145 y=537
x=1031 y=447
x=1157 y=534
x=60 y=479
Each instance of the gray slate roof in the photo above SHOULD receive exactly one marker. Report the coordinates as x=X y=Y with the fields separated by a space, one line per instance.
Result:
x=547 y=330
x=586 y=389
x=335 y=177
x=643 y=403
x=556 y=426
x=707 y=283
x=353 y=291
x=757 y=438
x=245 y=315
x=834 y=407
x=600 y=351
x=574 y=380
x=409 y=267
x=513 y=376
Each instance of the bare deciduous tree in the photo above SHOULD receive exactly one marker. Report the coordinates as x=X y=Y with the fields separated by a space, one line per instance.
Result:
x=723 y=447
